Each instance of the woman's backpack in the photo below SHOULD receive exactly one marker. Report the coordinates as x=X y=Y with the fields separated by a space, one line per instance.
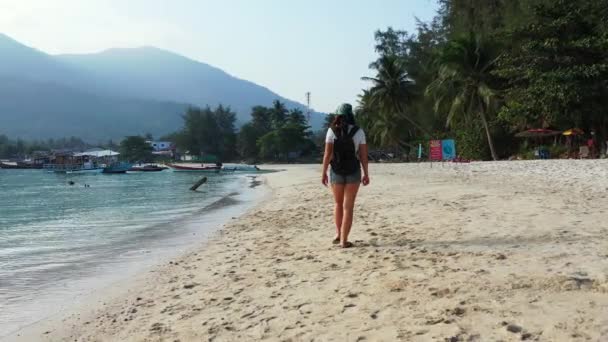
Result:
x=345 y=161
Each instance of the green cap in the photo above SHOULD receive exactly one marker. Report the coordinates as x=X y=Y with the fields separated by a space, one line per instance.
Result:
x=345 y=109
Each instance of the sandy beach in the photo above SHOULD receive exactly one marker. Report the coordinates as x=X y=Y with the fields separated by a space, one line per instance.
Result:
x=503 y=251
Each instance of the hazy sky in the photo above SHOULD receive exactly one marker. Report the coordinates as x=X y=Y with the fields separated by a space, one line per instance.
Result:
x=289 y=46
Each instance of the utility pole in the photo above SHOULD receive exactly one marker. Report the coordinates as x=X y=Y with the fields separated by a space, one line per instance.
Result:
x=308 y=106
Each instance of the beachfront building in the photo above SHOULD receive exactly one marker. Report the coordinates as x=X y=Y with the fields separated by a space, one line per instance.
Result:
x=163 y=148
x=161 y=145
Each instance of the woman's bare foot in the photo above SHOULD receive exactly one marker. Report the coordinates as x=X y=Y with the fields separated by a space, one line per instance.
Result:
x=346 y=244
x=336 y=240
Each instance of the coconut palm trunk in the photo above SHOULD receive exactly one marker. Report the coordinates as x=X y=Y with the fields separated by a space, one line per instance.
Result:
x=411 y=121
x=463 y=87
x=484 y=121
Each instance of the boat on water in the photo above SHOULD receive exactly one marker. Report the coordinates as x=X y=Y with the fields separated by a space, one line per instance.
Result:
x=218 y=168
x=93 y=161
x=118 y=167
x=9 y=165
x=195 y=168
x=147 y=168
x=21 y=165
x=85 y=167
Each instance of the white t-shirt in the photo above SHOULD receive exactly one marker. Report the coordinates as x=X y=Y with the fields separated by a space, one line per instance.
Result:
x=358 y=138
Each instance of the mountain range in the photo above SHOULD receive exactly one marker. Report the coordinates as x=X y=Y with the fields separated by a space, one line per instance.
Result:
x=114 y=93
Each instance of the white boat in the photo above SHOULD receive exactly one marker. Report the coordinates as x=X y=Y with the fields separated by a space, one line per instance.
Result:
x=194 y=168
x=229 y=168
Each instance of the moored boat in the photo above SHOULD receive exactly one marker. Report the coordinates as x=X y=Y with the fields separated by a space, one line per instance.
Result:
x=195 y=168
x=20 y=165
x=147 y=168
x=8 y=165
x=86 y=167
x=93 y=161
x=118 y=167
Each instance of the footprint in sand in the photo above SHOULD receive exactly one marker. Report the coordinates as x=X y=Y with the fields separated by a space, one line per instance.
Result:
x=159 y=328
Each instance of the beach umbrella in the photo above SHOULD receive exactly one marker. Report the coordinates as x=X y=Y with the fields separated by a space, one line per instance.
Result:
x=538 y=133
x=573 y=131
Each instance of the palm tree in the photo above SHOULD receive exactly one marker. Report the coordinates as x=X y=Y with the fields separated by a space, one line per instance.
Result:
x=391 y=92
x=462 y=85
x=382 y=130
x=278 y=114
x=364 y=114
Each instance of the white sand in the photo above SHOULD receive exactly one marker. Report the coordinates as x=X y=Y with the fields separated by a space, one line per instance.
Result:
x=459 y=252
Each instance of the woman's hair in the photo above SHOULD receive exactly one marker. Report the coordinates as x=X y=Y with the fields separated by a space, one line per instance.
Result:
x=350 y=118
x=344 y=116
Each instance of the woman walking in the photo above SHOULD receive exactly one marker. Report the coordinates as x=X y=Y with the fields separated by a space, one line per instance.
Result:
x=346 y=151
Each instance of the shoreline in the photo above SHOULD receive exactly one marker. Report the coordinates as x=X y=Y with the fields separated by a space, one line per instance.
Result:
x=475 y=252
x=196 y=229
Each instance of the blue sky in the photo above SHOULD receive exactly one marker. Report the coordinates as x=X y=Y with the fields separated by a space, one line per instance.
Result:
x=289 y=46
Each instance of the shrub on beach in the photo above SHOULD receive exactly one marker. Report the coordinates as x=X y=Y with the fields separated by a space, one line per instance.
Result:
x=471 y=143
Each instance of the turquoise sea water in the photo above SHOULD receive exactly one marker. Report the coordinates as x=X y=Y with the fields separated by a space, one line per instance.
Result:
x=58 y=241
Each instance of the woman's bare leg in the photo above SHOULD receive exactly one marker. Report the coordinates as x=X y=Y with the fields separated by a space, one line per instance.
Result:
x=338 y=190
x=350 y=194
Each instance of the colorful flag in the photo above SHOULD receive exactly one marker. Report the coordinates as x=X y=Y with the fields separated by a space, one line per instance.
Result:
x=448 y=149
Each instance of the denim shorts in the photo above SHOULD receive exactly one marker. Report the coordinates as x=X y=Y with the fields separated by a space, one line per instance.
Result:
x=353 y=178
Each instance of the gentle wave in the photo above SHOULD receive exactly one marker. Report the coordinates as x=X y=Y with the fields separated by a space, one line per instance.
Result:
x=55 y=237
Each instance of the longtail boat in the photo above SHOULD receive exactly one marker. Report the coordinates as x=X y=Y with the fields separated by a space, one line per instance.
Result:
x=195 y=168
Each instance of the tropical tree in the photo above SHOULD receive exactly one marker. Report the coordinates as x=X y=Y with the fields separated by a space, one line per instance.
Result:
x=556 y=74
x=296 y=133
x=274 y=132
x=225 y=119
x=365 y=115
x=21 y=148
x=135 y=148
x=291 y=135
x=208 y=131
x=278 y=114
x=390 y=94
x=270 y=145
x=261 y=118
x=8 y=148
x=465 y=16
x=247 y=141
x=463 y=84
x=481 y=69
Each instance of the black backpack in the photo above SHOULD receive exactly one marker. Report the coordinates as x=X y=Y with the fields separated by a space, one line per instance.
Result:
x=345 y=161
